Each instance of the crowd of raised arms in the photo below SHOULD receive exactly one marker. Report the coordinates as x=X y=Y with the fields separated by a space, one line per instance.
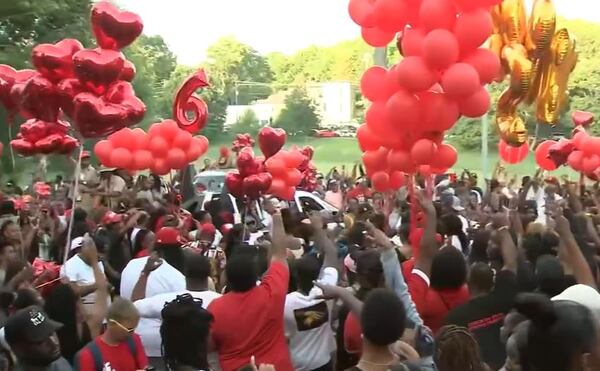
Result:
x=454 y=274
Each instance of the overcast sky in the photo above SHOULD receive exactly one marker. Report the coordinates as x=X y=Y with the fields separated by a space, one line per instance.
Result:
x=190 y=26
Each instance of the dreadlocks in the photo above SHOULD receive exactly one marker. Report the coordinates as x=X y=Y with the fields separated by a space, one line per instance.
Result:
x=184 y=332
x=457 y=350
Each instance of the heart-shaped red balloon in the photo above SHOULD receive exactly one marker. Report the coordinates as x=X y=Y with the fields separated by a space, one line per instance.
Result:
x=128 y=73
x=582 y=118
x=95 y=118
x=8 y=78
x=40 y=99
x=559 y=152
x=22 y=147
x=33 y=130
x=256 y=185
x=50 y=144
x=271 y=140
x=113 y=28
x=55 y=61
x=122 y=93
x=68 y=145
x=98 y=68
x=234 y=183
x=67 y=91
x=246 y=163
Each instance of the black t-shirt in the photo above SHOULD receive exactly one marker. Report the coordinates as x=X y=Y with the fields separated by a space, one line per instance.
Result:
x=484 y=315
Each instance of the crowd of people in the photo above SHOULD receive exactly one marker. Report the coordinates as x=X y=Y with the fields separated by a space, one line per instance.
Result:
x=448 y=273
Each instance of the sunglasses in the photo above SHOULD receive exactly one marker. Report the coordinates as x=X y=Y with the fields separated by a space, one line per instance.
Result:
x=129 y=330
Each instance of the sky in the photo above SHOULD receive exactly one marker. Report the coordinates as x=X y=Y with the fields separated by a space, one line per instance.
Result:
x=190 y=26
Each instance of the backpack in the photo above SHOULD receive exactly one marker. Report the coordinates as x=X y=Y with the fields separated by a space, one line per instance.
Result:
x=97 y=354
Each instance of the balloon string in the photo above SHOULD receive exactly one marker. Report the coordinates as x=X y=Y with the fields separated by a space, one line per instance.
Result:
x=74 y=200
x=12 y=152
x=414 y=209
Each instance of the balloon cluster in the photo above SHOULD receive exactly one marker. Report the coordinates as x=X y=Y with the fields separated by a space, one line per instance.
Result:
x=441 y=76
x=278 y=173
x=308 y=169
x=539 y=61
x=165 y=147
x=242 y=141
x=91 y=86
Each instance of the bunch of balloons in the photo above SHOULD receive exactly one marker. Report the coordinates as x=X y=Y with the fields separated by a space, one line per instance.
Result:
x=539 y=61
x=42 y=190
x=284 y=168
x=250 y=179
x=164 y=148
x=442 y=75
x=308 y=170
x=91 y=86
x=242 y=141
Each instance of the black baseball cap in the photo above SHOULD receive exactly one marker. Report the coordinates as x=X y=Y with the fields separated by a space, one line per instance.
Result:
x=30 y=324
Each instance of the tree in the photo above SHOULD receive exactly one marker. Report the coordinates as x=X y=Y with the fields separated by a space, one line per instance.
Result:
x=299 y=115
x=243 y=73
x=247 y=123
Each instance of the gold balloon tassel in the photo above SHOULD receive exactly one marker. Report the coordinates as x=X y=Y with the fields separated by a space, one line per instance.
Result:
x=554 y=89
x=509 y=124
x=514 y=22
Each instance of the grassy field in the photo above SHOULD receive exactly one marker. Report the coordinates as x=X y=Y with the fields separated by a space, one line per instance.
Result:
x=331 y=152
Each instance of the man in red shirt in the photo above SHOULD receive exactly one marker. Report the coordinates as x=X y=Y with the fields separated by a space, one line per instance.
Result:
x=118 y=348
x=248 y=320
x=361 y=191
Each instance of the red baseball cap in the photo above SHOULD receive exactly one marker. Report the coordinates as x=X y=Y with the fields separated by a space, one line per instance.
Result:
x=85 y=154
x=168 y=236
x=208 y=229
x=111 y=217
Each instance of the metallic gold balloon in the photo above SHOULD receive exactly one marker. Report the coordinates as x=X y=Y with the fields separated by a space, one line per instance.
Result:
x=538 y=61
x=553 y=91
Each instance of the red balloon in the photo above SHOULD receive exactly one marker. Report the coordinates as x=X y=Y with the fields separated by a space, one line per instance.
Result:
x=440 y=49
x=381 y=181
x=114 y=29
x=168 y=129
x=128 y=72
x=276 y=167
x=362 y=12
x=122 y=93
x=396 y=180
x=256 y=185
x=200 y=142
x=293 y=158
x=486 y=63
x=414 y=75
x=123 y=138
x=575 y=160
x=367 y=141
x=189 y=110
x=376 y=37
x=375 y=160
x=234 y=184
x=160 y=167
x=103 y=149
x=287 y=193
x=55 y=61
x=377 y=120
x=468 y=5
x=142 y=159
x=98 y=68
x=438 y=112
x=512 y=155
x=402 y=111
x=8 y=79
x=411 y=42
x=472 y=29
x=40 y=99
x=437 y=14
x=542 y=157
x=94 y=117
x=373 y=84
x=271 y=140
x=183 y=140
x=293 y=177
x=476 y=105
x=246 y=163
x=445 y=158
x=423 y=152
x=391 y=79
x=141 y=138
x=460 y=80
x=158 y=146
x=121 y=158
x=176 y=158
x=401 y=161
x=391 y=15
x=582 y=118
x=579 y=138
x=590 y=164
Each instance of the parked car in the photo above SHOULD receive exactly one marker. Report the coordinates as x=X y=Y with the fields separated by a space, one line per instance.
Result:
x=325 y=134
x=210 y=186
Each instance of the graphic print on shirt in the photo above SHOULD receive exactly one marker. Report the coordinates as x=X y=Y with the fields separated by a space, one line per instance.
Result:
x=311 y=317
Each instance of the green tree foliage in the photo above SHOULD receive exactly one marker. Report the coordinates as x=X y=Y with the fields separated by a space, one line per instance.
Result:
x=241 y=71
x=299 y=117
x=247 y=123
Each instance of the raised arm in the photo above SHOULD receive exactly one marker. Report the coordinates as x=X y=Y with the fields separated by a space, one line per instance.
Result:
x=507 y=246
x=428 y=246
x=581 y=269
x=279 y=248
x=323 y=243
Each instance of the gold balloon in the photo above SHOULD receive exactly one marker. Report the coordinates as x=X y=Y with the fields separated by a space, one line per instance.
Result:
x=538 y=61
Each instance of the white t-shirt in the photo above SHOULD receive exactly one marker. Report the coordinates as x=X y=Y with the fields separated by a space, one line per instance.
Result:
x=308 y=326
x=79 y=272
x=150 y=309
x=164 y=280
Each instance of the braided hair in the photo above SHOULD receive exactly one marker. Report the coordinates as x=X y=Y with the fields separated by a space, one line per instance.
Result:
x=457 y=350
x=184 y=332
